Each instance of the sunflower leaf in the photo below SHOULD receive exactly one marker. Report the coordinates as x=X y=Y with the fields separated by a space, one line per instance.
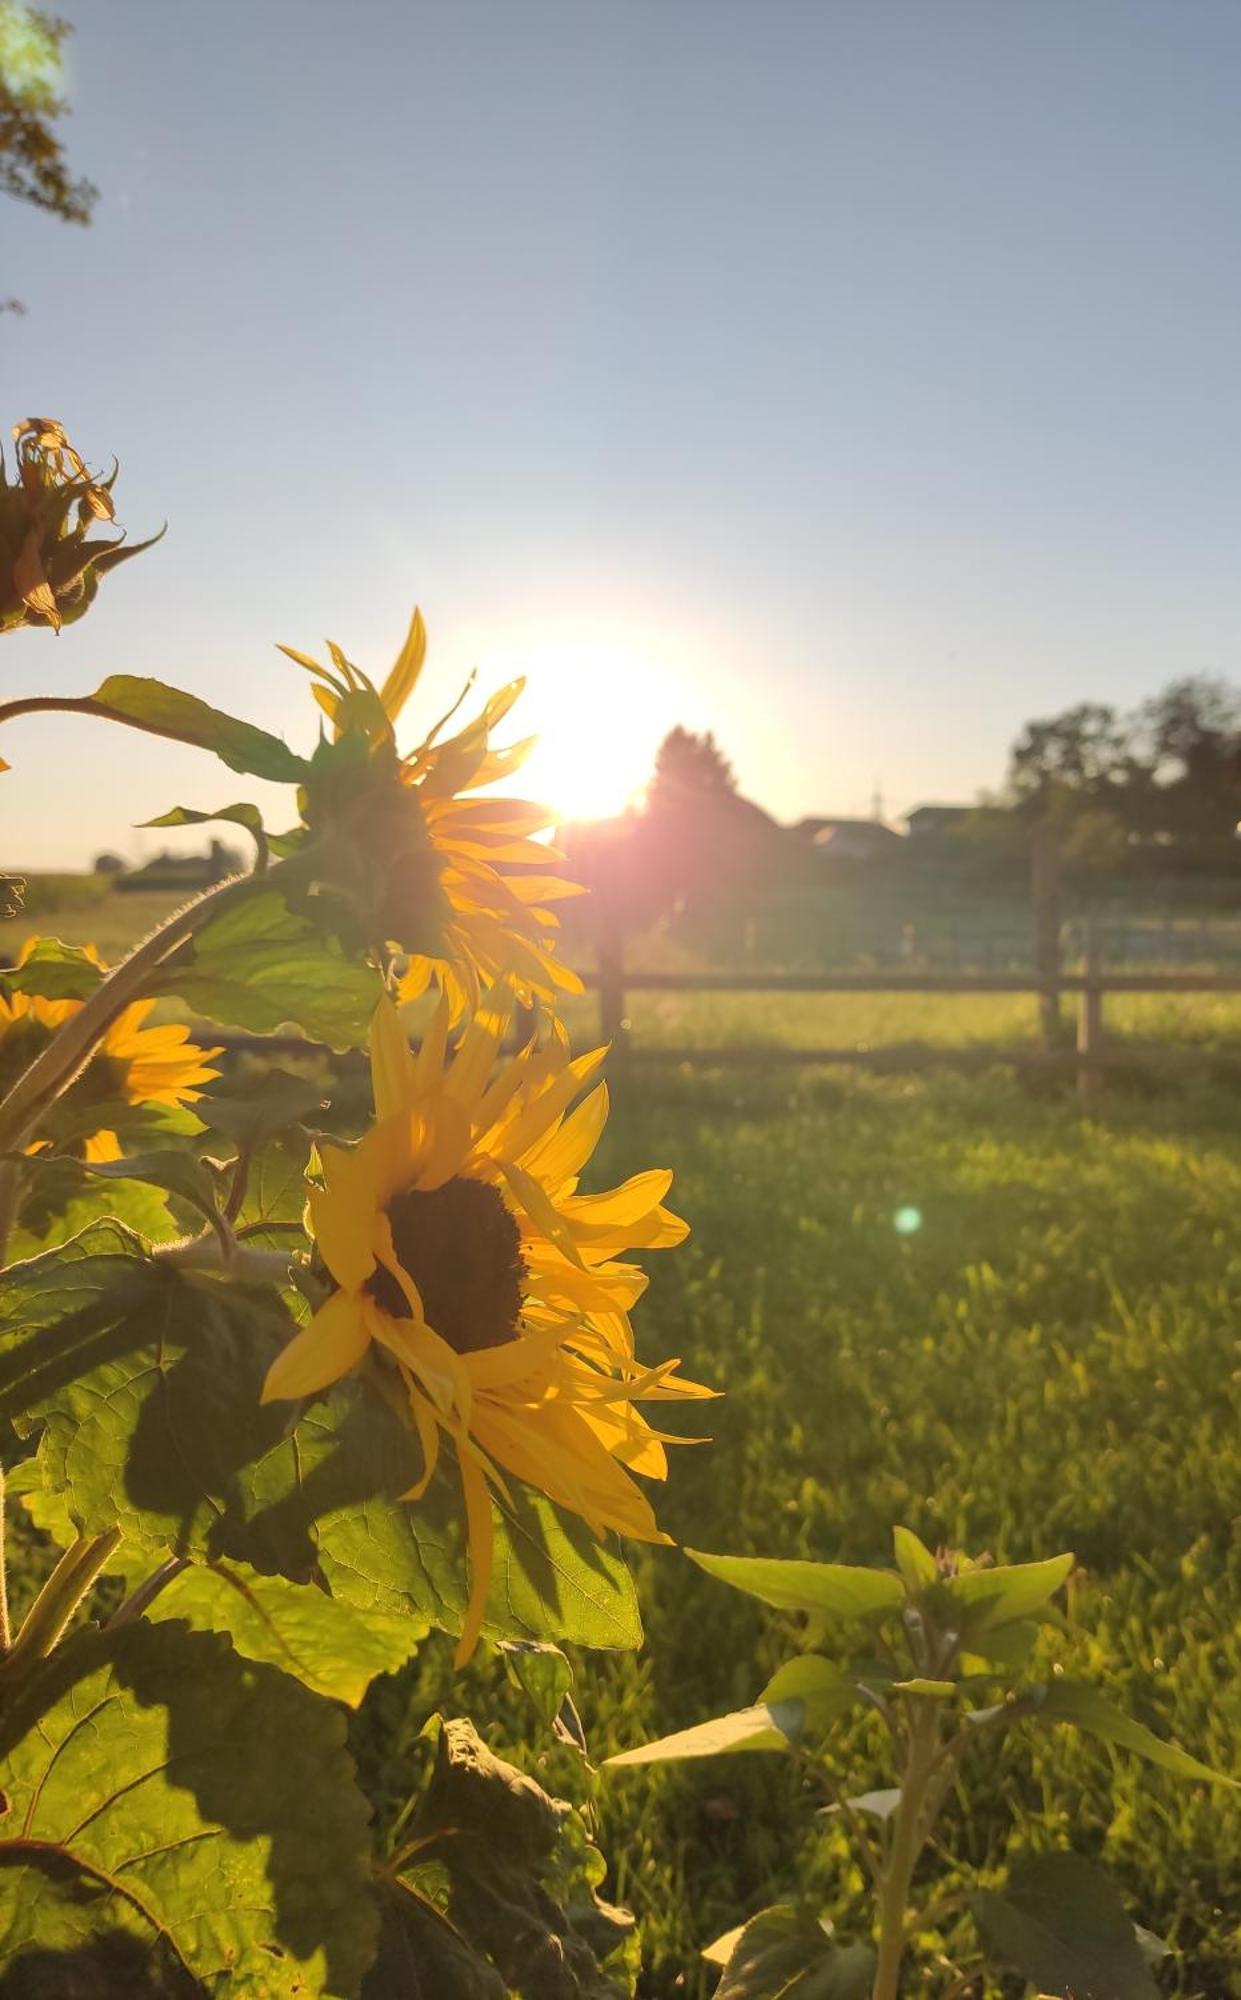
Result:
x=331 y=1647
x=168 y=711
x=1060 y=1922
x=177 y=1173
x=262 y=966
x=1083 y=1706
x=521 y=1880
x=145 y=1383
x=195 y=1813
x=53 y=970
x=746 y=1729
x=243 y=815
x=837 y=1589
x=986 y=1599
x=783 y=1951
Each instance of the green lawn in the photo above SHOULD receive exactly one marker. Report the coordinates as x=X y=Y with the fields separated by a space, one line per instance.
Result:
x=1053 y=1360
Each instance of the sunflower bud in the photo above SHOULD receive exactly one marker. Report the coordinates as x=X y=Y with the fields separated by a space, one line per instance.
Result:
x=49 y=570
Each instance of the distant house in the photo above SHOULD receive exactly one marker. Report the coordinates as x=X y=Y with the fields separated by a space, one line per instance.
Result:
x=925 y=822
x=184 y=872
x=848 y=839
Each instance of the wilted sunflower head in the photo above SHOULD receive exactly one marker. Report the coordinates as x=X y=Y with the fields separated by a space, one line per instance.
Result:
x=492 y=1295
x=49 y=569
x=134 y=1064
x=457 y=883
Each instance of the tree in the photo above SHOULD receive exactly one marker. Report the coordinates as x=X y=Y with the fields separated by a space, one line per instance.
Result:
x=688 y=765
x=1082 y=751
x=32 y=161
x=1193 y=730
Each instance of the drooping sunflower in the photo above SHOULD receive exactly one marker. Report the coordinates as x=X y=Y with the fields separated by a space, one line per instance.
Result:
x=463 y=1257
x=133 y=1063
x=49 y=565
x=472 y=860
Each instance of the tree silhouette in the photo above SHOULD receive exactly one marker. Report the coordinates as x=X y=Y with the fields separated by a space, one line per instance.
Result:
x=32 y=161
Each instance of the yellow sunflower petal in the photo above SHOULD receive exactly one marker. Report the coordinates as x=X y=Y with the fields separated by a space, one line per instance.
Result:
x=403 y=678
x=342 y=1229
x=479 y=1532
x=334 y=1342
x=392 y=1061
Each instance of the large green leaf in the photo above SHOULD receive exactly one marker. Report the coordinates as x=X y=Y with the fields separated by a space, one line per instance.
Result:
x=784 y=1954
x=329 y=1645
x=169 y=711
x=1060 y=1922
x=160 y=1787
x=1083 y=1706
x=834 y=1588
x=145 y=1382
x=262 y=966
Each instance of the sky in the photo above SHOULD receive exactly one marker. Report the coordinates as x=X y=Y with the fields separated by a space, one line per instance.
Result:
x=856 y=379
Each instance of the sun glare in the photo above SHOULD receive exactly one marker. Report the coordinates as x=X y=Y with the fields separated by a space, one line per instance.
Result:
x=598 y=711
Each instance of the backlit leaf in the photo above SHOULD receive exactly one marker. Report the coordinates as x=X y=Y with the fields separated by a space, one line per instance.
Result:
x=837 y=1589
x=259 y=965
x=755 y=1728
x=990 y=1598
x=170 y=712
x=160 y=1787
x=54 y=971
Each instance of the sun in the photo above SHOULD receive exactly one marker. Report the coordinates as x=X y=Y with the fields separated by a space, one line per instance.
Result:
x=599 y=712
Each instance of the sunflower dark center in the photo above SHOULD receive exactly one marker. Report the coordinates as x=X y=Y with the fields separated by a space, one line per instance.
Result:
x=462 y=1249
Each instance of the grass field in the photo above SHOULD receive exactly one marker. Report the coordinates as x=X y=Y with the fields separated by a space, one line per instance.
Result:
x=1051 y=1360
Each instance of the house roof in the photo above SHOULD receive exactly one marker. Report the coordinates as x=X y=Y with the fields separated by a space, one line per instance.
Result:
x=816 y=829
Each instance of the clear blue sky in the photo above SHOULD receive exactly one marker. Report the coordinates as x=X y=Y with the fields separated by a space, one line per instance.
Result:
x=856 y=379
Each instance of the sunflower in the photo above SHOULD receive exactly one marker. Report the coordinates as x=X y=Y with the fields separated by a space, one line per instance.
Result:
x=137 y=1064
x=493 y=1294
x=473 y=860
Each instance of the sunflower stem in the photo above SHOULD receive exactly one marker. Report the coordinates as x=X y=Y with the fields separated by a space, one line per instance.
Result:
x=6 y=1638
x=59 y=1598
x=211 y=1252
x=147 y=1592
x=75 y=1041
x=909 y=1836
x=10 y=1197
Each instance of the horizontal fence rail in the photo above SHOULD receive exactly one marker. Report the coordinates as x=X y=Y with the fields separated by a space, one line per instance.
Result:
x=1089 y=1060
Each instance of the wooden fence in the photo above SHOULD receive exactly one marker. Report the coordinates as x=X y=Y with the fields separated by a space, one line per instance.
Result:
x=1089 y=1058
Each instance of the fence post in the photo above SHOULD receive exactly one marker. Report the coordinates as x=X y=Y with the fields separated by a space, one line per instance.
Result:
x=1045 y=900
x=612 y=1022
x=1090 y=1017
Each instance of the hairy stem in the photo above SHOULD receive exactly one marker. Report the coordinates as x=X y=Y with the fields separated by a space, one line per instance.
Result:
x=76 y=1039
x=909 y=1833
x=5 y=1634
x=59 y=1599
x=209 y=1252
